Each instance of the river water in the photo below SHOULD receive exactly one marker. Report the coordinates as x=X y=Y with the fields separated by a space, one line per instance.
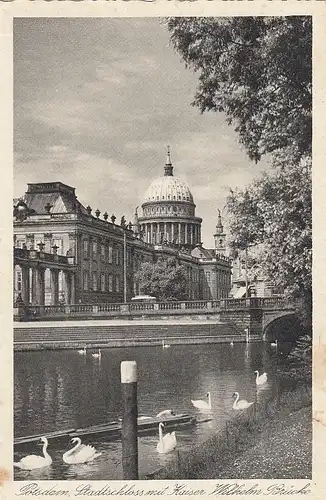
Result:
x=56 y=390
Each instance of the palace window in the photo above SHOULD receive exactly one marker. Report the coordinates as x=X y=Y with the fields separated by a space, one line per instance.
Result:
x=18 y=281
x=102 y=282
x=94 y=249
x=110 y=254
x=85 y=281
x=94 y=281
x=110 y=283
x=117 y=256
x=208 y=275
x=59 y=243
x=85 y=249
x=20 y=243
x=102 y=252
x=117 y=283
x=128 y=257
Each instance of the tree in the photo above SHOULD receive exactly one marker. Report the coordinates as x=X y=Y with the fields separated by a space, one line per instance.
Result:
x=164 y=279
x=275 y=211
x=257 y=70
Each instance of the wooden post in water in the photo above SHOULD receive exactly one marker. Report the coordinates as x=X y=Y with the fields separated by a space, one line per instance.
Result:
x=129 y=438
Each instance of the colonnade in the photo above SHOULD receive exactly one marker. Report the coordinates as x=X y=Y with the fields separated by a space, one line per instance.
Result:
x=181 y=233
x=32 y=286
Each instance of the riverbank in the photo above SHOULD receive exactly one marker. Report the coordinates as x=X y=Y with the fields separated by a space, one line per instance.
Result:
x=274 y=442
x=122 y=333
x=283 y=451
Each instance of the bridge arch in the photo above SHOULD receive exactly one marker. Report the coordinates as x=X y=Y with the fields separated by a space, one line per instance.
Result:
x=281 y=326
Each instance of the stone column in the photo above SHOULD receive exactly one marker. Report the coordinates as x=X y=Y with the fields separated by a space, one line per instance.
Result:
x=165 y=237
x=186 y=233
x=172 y=232
x=25 y=284
x=66 y=286
x=35 y=293
x=191 y=235
x=54 y=286
x=179 y=229
x=72 y=289
x=47 y=242
x=40 y=286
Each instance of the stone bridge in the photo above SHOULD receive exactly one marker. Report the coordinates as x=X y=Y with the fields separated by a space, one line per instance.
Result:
x=254 y=314
x=258 y=314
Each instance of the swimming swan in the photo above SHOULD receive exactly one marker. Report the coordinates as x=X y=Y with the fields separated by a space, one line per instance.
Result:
x=240 y=405
x=166 y=443
x=35 y=461
x=80 y=453
x=97 y=354
x=203 y=405
x=260 y=379
x=165 y=413
x=82 y=351
x=274 y=344
x=164 y=345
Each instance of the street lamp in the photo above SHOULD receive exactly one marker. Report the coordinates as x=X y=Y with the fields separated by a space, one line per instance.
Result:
x=124 y=266
x=246 y=271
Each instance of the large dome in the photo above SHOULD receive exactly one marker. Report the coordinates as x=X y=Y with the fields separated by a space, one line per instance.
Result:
x=168 y=188
x=168 y=212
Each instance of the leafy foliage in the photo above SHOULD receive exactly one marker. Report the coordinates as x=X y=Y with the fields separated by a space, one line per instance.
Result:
x=165 y=279
x=299 y=362
x=275 y=211
x=257 y=70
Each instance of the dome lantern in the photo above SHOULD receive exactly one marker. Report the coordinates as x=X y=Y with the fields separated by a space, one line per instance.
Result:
x=168 y=169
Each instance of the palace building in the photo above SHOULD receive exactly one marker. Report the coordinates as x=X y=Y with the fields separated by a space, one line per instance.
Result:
x=65 y=253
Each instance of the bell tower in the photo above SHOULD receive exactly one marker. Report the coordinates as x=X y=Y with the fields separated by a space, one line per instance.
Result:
x=219 y=237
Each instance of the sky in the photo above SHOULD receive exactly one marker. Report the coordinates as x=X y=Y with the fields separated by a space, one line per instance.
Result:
x=96 y=102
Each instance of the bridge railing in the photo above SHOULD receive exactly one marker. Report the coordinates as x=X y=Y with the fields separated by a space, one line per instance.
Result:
x=147 y=308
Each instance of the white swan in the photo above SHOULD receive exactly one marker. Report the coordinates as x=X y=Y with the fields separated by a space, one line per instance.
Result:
x=165 y=413
x=82 y=351
x=164 y=345
x=274 y=344
x=166 y=443
x=231 y=344
x=97 y=354
x=203 y=405
x=260 y=379
x=35 y=461
x=80 y=453
x=240 y=405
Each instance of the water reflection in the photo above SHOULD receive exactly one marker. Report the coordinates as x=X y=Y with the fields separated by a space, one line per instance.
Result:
x=62 y=389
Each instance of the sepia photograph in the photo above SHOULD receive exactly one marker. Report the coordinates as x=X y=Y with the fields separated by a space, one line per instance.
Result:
x=162 y=248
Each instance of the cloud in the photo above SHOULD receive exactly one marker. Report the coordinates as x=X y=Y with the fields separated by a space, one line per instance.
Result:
x=97 y=100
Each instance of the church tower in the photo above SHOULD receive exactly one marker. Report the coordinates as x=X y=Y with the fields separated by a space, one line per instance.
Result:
x=219 y=237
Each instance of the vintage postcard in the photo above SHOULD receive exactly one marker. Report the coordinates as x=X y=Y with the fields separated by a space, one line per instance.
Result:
x=162 y=249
